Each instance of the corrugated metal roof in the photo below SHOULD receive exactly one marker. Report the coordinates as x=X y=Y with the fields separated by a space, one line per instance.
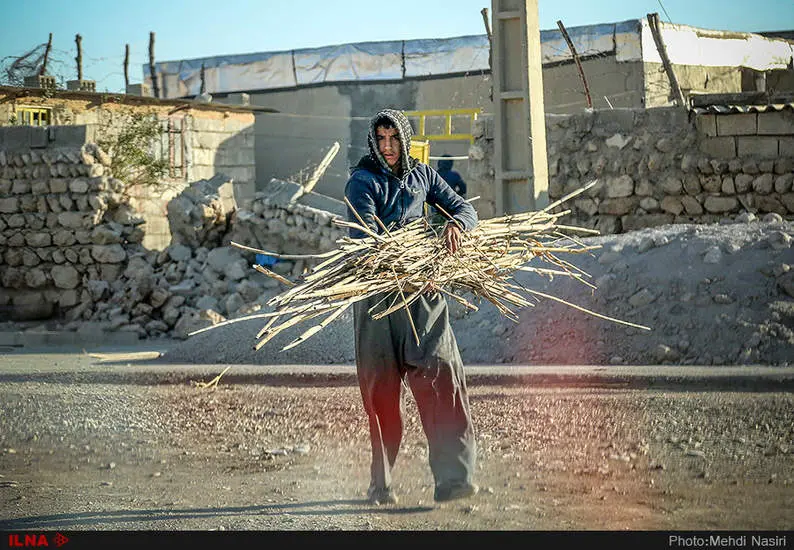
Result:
x=741 y=102
x=726 y=109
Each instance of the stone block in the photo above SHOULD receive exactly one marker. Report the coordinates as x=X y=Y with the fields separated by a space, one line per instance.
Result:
x=691 y=205
x=201 y=124
x=706 y=125
x=618 y=206
x=196 y=173
x=737 y=124
x=776 y=123
x=786 y=146
x=614 y=120
x=81 y=85
x=74 y=136
x=719 y=147
x=17 y=137
x=206 y=140
x=39 y=137
x=757 y=146
x=234 y=125
x=40 y=81
x=672 y=205
x=764 y=184
x=787 y=199
x=770 y=203
x=204 y=157
x=234 y=156
x=9 y=205
x=139 y=89
x=720 y=205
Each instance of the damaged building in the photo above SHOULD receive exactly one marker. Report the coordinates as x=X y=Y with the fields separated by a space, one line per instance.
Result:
x=81 y=248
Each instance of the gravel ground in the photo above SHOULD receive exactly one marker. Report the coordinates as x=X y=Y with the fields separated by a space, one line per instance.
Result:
x=258 y=457
x=720 y=294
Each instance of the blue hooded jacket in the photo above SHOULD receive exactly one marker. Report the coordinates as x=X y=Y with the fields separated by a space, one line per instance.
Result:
x=397 y=199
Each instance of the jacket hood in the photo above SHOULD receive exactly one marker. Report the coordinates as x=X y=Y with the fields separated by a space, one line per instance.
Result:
x=445 y=165
x=404 y=130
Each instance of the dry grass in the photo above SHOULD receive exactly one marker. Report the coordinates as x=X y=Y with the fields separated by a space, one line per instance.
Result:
x=402 y=264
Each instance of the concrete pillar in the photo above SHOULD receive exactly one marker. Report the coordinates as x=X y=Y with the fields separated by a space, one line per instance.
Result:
x=520 y=161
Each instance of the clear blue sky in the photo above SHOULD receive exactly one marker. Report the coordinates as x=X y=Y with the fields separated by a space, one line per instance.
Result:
x=204 y=28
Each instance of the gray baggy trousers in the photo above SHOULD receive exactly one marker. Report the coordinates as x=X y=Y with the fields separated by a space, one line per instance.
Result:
x=386 y=355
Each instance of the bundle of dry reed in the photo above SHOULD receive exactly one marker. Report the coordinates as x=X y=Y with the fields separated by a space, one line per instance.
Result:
x=404 y=263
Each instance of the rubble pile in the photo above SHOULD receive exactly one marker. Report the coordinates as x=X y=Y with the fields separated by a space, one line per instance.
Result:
x=175 y=291
x=201 y=214
x=281 y=219
x=200 y=280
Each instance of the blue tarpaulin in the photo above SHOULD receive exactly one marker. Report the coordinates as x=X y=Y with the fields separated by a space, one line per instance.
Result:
x=266 y=260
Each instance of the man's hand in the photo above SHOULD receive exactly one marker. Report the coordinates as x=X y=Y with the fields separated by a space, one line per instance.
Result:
x=453 y=237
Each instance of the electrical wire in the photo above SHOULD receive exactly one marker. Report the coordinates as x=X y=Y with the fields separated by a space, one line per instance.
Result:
x=665 y=11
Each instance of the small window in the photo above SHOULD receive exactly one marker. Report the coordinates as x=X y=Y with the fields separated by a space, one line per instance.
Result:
x=172 y=147
x=34 y=116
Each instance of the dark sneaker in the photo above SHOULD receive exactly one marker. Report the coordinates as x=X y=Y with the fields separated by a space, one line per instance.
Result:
x=444 y=493
x=380 y=495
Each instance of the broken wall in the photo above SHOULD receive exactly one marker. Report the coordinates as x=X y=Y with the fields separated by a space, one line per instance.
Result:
x=63 y=221
x=198 y=142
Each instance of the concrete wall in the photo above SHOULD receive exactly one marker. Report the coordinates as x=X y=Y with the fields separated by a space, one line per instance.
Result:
x=611 y=83
x=659 y=166
x=712 y=80
x=214 y=145
x=289 y=144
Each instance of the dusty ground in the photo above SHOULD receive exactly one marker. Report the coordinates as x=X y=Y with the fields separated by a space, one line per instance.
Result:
x=256 y=457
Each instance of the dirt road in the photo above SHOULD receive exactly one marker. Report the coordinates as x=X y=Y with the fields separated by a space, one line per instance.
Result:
x=244 y=456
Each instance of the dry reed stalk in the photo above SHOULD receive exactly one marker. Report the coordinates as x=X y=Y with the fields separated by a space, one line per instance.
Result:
x=404 y=263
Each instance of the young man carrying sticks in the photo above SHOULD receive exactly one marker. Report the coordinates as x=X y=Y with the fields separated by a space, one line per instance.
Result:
x=390 y=185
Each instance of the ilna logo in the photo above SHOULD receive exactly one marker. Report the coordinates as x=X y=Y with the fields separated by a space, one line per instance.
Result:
x=17 y=540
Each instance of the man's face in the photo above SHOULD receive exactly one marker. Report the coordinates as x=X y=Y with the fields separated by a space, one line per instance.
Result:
x=389 y=145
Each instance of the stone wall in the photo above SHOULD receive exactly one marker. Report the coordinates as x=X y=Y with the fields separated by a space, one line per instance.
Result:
x=283 y=219
x=658 y=166
x=73 y=244
x=64 y=229
x=213 y=139
x=72 y=247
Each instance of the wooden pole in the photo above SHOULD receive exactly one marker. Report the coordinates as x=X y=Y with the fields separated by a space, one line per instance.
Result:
x=578 y=63
x=126 y=66
x=153 y=74
x=79 y=58
x=653 y=23
x=484 y=13
x=487 y=23
x=43 y=69
x=203 y=81
x=320 y=170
